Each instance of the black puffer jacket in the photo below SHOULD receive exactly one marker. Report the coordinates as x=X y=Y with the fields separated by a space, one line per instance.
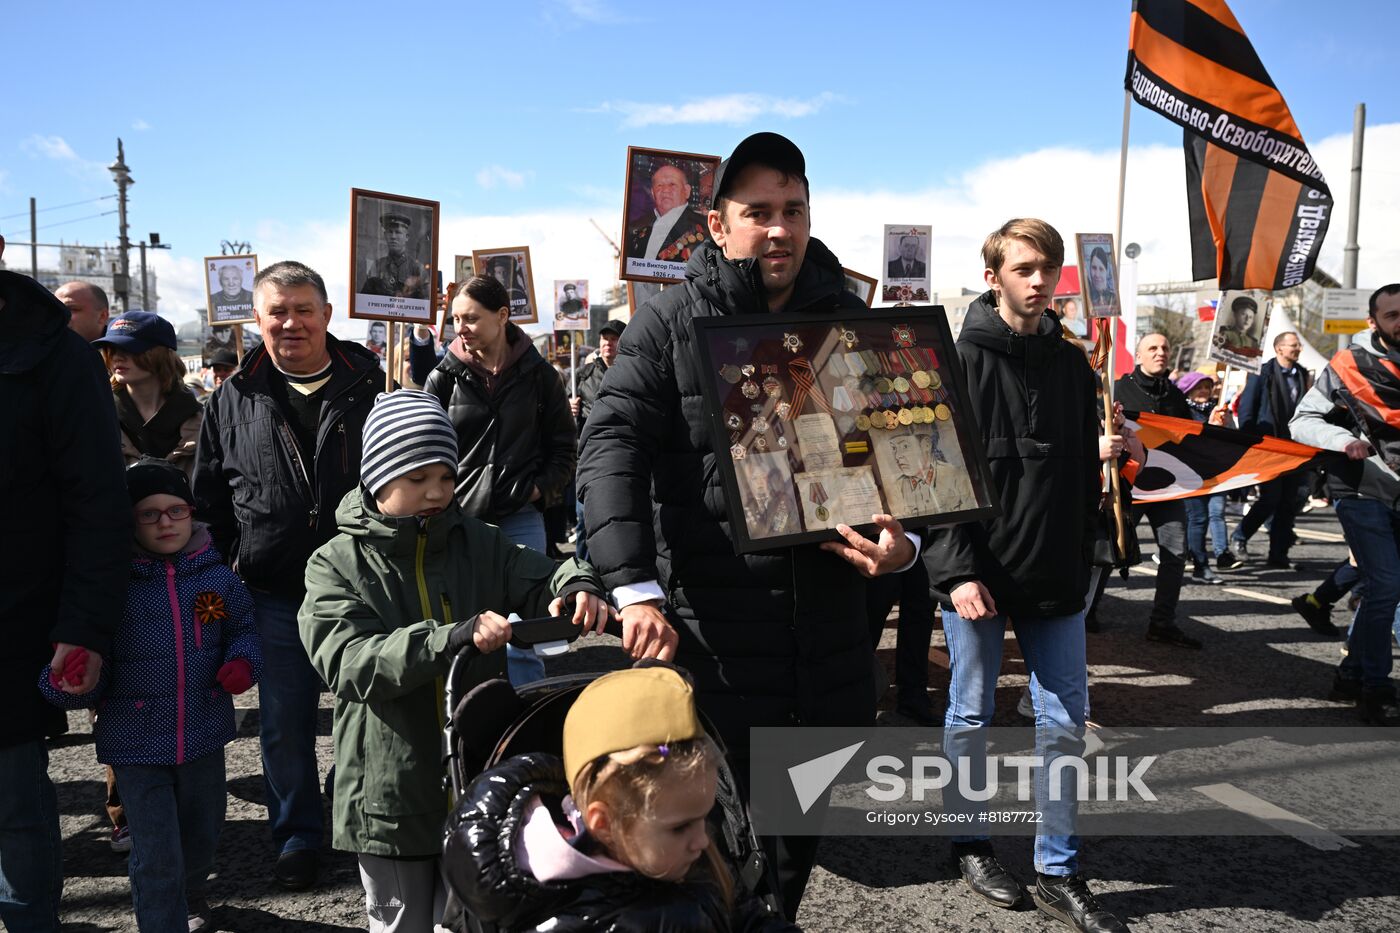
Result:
x=509 y=440
x=1157 y=394
x=590 y=383
x=774 y=638
x=65 y=541
x=479 y=860
x=250 y=484
x=1033 y=398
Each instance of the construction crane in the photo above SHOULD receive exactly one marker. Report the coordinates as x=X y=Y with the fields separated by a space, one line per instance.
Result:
x=617 y=256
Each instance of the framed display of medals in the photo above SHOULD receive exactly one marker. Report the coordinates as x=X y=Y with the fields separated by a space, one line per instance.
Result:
x=819 y=420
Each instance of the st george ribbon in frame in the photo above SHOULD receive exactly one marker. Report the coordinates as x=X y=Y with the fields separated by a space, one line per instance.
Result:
x=819 y=420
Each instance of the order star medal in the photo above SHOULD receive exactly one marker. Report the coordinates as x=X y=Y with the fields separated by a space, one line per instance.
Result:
x=792 y=342
x=903 y=335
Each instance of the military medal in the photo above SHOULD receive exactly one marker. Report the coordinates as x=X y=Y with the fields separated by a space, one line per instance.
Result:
x=760 y=443
x=942 y=412
x=891 y=421
x=782 y=441
x=772 y=387
x=903 y=335
x=841 y=399
x=934 y=380
x=901 y=384
x=817 y=494
x=905 y=416
x=733 y=422
x=848 y=337
x=783 y=409
x=760 y=424
x=920 y=379
x=749 y=388
x=862 y=422
x=729 y=373
x=883 y=385
x=738 y=452
x=792 y=342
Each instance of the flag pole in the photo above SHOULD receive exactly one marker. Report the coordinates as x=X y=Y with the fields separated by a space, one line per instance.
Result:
x=1115 y=482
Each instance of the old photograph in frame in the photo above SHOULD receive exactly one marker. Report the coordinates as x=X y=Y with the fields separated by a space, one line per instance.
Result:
x=571 y=304
x=228 y=287
x=226 y=337
x=510 y=265
x=862 y=286
x=665 y=201
x=1241 y=320
x=393 y=257
x=1098 y=274
x=819 y=420
x=906 y=263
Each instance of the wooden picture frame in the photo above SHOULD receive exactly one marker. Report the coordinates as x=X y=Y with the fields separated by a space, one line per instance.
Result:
x=817 y=419
x=234 y=342
x=1241 y=346
x=393 y=257
x=511 y=266
x=639 y=209
x=863 y=287
x=1098 y=248
x=220 y=307
x=575 y=315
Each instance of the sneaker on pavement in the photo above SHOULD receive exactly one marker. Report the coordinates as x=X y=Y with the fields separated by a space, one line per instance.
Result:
x=986 y=877
x=1069 y=901
x=1240 y=546
x=121 y=840
x=1171 y=635
x=1203 y=574
x=1225 y=560
x=1317 y=615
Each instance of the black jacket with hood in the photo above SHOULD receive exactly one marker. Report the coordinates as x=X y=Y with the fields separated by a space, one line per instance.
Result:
x=1033 y=398
x=482 y=867
x=773 y=638
x=514 y=430
x=266 y=511
x=1157 y=394
x=66 y=534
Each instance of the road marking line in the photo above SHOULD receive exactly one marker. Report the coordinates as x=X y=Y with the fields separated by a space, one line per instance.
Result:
x=1251 y=594
x=1298 y=827
x=1319 y=535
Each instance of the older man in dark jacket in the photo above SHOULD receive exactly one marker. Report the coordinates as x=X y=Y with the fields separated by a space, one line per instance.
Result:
x=773 y=639
x=1147 y=388
x=1268 y=401
x=278 y=450
x=66 y=538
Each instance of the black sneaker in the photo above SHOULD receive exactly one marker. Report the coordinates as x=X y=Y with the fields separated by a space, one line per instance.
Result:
x=1316 y=614
x=297 y=869
x=1069 y=901
x=1278 y=563
x=1240 y=546
x=1345 y=689
x=1225 y=560
x=1203 y=574
x=986 y=877
x=1377 y=706
x=1171 y=635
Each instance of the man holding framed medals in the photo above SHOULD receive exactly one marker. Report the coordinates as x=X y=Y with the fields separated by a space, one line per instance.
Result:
x=772 y=639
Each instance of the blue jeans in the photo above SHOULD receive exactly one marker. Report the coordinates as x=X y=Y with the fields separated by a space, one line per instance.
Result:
x=289 y=693
x=1054 y=653
x=1200 y=512
x=31 y=854
x=524 y=527
x=1372 y=531
x=175 y=813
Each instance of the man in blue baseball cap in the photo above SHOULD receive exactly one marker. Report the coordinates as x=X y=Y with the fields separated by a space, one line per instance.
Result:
x=138 y=331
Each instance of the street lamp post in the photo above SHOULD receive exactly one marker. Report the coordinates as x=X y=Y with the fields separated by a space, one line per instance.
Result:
x=121 y=174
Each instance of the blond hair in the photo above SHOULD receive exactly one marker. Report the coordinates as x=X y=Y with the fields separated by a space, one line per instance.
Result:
x=1045 y=238
x=628 y=781
x=162 y=362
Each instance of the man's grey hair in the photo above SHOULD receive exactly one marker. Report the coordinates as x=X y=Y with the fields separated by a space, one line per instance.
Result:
x=289 y=274
x=95 y=291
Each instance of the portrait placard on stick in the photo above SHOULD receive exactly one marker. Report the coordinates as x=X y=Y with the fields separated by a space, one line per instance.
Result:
x=818 y=420
x=571 y=304
x=1241 y=320
x=510 y=265
x=393 y=257
x=1098 y=274
x=228 y=287
x=663 y=213
x=906 y=263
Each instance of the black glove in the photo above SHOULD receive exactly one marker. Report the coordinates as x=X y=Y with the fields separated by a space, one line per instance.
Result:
x=461 y=636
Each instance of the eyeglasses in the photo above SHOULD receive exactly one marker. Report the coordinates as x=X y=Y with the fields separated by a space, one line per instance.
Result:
x=176 y=513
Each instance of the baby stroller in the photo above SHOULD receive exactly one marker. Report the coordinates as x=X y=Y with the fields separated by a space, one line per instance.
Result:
x=489 y=721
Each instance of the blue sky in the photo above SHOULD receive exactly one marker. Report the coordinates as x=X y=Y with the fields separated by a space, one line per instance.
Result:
x=252 y=121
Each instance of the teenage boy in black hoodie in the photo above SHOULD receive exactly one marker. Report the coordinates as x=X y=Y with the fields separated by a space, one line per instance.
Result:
x=1148 y=388
x=1032 y=393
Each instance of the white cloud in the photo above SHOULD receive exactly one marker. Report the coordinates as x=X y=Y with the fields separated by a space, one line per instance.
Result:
x=50 y=147
x=498 y=176
x=732 y=109
x=140 y=125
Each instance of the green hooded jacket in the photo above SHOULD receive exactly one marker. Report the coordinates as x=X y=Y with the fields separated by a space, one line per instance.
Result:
x=381 y=598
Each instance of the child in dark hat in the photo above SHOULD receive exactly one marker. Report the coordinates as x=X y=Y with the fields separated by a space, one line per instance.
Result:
x=408 y=583
x=186 y=644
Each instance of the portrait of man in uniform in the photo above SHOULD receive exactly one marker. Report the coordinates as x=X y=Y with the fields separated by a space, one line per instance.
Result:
x=664 y=215
x=393 y=250
x=227 y=281
x=221 y=337
x=397 y=271
x=766 y=493
x=927 y=483
x=1236 y=330
x=572 y=302
x=511 y=267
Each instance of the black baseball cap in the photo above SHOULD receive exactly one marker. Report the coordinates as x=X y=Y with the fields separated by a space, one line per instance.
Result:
x=769 y=149
x=613 y=327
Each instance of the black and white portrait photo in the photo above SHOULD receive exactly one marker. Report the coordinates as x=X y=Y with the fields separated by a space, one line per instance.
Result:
x=766 y=491
x=228 y=283
x=222 y=337
x=393 y=250
x=862 y=286
x=510 y=265
x=571 y=304
x=1241 y=320
x=667 y=198
x=906 y=262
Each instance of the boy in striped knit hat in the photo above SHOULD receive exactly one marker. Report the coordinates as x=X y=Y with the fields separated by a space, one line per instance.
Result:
x=407 y=584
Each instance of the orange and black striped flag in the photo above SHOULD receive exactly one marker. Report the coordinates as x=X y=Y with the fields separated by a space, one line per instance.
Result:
x=1186 y=458
x=1259 y=205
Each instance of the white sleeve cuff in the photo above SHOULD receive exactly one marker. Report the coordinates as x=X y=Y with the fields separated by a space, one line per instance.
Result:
x=425 y=342
x=631 y=593
x=918 y=543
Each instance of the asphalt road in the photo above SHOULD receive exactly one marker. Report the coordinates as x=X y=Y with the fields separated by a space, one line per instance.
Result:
x=1261 y=666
